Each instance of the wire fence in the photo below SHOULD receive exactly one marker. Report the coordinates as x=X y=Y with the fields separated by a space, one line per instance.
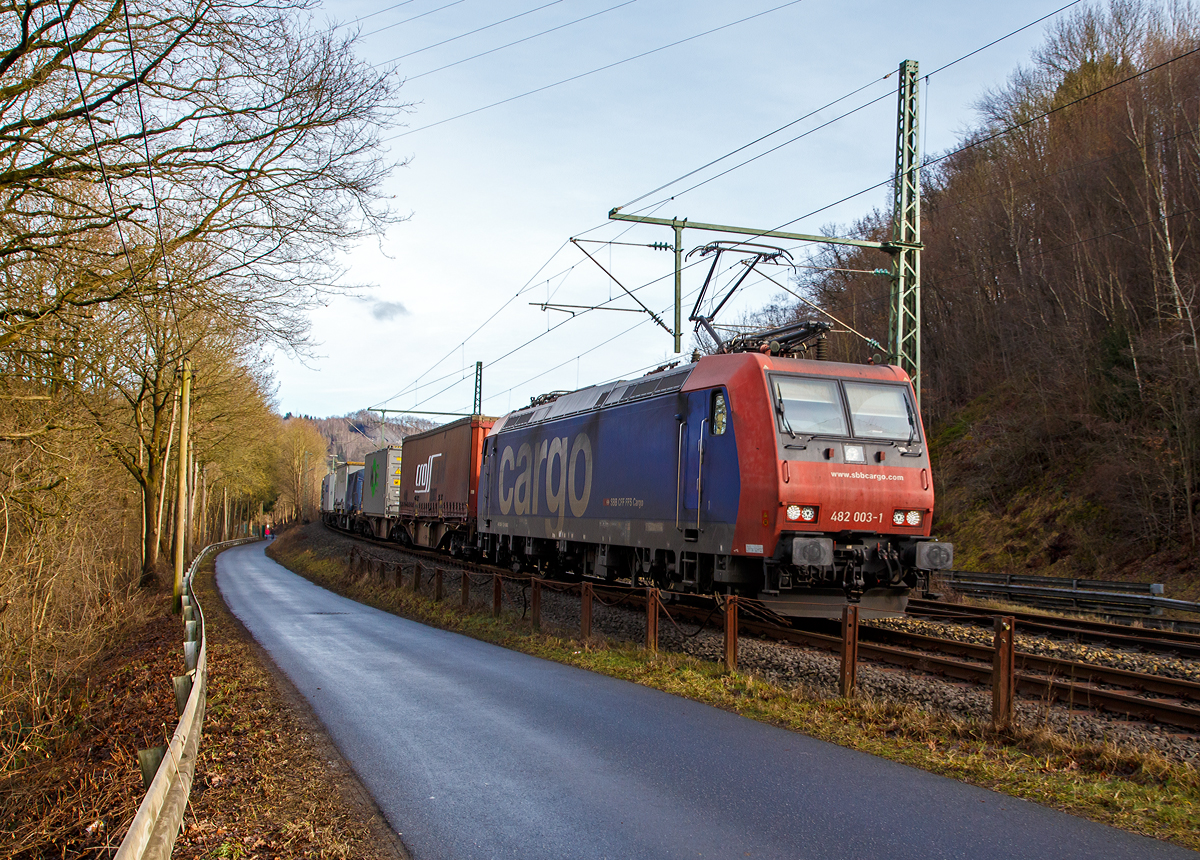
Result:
x=521 y=592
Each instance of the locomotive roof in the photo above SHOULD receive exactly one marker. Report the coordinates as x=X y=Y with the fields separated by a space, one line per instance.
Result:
x=669 y=381
x=598 y=397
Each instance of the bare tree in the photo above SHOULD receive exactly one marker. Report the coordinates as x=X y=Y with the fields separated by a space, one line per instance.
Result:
x=229 y=132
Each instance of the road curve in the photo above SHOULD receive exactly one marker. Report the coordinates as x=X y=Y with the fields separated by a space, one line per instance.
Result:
x=473 y=751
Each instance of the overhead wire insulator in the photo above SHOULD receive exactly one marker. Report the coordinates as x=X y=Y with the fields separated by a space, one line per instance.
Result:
x=883 y=273
x=662 y=246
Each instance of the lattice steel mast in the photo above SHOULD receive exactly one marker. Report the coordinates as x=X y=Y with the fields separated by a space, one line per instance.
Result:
x=904 y=326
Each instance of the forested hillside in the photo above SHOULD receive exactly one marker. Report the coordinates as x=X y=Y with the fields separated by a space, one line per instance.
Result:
x=1060 y=272
x=353 y=436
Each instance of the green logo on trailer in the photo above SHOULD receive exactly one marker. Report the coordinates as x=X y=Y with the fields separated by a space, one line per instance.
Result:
x=375 y=478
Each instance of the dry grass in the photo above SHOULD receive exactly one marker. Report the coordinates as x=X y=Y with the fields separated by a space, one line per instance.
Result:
x=1138 y=791
x=70 y=783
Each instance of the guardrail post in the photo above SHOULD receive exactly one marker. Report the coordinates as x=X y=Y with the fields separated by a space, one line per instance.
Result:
x=497 y=585
x=652 y=620
x=183 y=689
x=585 y=611
x=731 y=633
x=849 y=675
x=437 y=584
x=466 y=590
x=1003 y=676
x=149 y=762
x=417 y=577
x=535 y=603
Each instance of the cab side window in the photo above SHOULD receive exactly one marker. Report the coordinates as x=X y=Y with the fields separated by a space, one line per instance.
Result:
x=719 y=415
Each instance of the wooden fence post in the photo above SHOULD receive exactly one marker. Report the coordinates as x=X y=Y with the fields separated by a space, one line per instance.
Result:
x=497 y=585
x=849 y=675
x=1003 y=676
x=466 y=589
x=535 y=603
x=416 y=577
x=731 y=633
x=585 y=611
x=437 y=584
x=652 y=620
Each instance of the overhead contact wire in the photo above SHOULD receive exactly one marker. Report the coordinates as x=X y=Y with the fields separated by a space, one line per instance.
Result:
x=414 y=18
x=509 y=45
x=596 y=71
x=470 y=33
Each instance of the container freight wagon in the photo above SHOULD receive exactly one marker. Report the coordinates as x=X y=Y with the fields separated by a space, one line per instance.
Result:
x=327 y=494
x=440 y=484
x=338 y=514
x=354 y=493
x=381 y=483
x=341 y=478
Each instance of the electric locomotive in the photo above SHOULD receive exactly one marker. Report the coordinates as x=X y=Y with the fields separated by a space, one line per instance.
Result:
x=805 y=484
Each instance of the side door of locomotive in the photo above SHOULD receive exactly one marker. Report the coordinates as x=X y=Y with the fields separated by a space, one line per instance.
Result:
x=706 y=418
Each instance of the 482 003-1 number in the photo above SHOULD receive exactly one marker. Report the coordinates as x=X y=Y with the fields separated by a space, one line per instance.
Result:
x=855 y=517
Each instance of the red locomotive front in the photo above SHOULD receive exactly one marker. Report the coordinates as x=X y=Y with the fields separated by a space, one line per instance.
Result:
x=834 y=458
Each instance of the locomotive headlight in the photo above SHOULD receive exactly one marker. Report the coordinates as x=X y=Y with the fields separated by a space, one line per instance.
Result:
x=801 y=513
x=906 y=518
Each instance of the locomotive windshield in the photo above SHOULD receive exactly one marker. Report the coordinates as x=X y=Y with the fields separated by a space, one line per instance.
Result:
x=810 y=406
x=880 y=412
x=820 y=407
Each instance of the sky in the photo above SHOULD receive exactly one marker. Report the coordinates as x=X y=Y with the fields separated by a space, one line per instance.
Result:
x=495 y=192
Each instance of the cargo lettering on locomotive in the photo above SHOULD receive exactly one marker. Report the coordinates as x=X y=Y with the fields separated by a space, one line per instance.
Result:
x=567 y=468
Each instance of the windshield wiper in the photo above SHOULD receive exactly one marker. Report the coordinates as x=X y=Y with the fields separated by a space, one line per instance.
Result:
x=780 y=410
x=912 y=428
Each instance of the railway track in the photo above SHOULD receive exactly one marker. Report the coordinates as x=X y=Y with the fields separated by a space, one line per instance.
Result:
x=1076 y=630
x=1142 y=696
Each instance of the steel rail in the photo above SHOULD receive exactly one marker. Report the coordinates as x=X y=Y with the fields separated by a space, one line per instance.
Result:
x=1050 y=666
x=1083 y=630
x=1173 y=713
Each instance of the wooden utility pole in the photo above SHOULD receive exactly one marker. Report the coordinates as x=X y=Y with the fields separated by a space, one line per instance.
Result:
x=181 y=509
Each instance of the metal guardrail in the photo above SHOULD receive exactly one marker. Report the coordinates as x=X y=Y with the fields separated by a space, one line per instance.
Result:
x=1059 y=582
x=154 y=829
x=1095 y=594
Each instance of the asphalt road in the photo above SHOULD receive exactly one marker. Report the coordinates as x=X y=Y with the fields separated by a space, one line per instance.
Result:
x=472 y=751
